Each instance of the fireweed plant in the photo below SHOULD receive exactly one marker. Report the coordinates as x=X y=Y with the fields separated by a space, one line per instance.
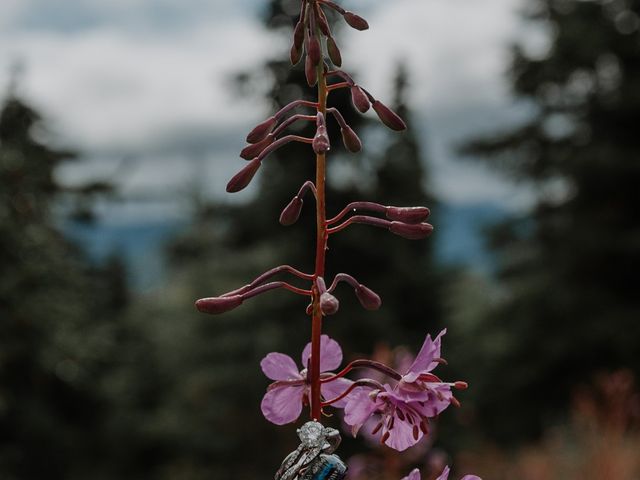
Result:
x=400 y=408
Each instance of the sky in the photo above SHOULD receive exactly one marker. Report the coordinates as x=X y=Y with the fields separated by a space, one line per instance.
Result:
x=149 y=82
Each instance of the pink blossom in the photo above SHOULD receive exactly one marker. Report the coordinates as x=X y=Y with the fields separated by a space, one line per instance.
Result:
x=415 y=475
x=285 y=397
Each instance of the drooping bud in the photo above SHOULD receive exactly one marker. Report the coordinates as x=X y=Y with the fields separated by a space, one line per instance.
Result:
x=310 y=71
x=408 y=214
x=411 y=231
x=243 y=177
x=368 y=298
x=298 y=35
x=389 y=117
x=351 y=140
x=355 y=21
x=323 y=25
x=262 y=130
x=251 y=151
x=334 y=52
x=328 y=304
x=313 y=50
x=359 y=99
x=295 y=54
x=321 y=139
x=216 y=305
x=291 y=212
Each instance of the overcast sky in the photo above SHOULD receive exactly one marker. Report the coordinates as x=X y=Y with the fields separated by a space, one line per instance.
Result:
x=150 y=79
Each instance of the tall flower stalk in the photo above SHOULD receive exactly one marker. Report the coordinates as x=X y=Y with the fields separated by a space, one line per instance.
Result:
x=401 y=407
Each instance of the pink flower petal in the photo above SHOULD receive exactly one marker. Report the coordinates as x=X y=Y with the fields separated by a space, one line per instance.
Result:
x=278 y=366
x=470 y=477
x=445 y=474
x=282 y=405
x=401 y=436
x=358 y=409
x=330 y=354
x=430 y=350
x=414 y=475
x=335 y=388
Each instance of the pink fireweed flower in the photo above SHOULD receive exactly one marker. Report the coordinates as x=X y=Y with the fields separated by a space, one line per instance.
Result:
x=415 y=475
x=401 y=424
x=419 y=384
x=285 y=397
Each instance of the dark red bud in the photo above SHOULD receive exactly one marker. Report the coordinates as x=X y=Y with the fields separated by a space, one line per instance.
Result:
x=368 y=298
x=328 y=304
x=321 y=140
x=295 y=55
x=216 y=305
x=323 y=25
x=408 y=214
x=351 y=140
x=310 y=72
x=460 y=385
x=356 y=21
x=411 y=231
x=334 y=52
x=251 y=151
x=298 y=35
x=389 y=117
x=262 y=130
x=314 y=50
x=243 y=177
x=291 y=212
x=359 y=99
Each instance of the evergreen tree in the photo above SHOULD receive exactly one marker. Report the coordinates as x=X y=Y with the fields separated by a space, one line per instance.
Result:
x=568 y=268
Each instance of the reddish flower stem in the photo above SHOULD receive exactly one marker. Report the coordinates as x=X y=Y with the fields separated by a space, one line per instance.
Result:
x=291 y=120
x=273 y=285
x=362 y=363
x=353 y=206
x=321 y=247
x=336 y=86
x=266 y=276
x=376 y=222
x=365 y=382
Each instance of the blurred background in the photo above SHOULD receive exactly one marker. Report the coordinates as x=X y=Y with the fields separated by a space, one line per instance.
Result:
x=120 y=124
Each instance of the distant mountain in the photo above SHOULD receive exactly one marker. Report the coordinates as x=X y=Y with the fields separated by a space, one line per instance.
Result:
x=458 y=239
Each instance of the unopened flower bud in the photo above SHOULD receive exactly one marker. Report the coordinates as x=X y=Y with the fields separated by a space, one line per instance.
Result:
x=389 y=117
x=216 y=305
x=356 y=21
x=310 y=72
x=291 y=212
x=408 y=214
x=251 y=151
x=334 y=52
x=243 y=177
x=321 y=140
x=368 y=298
x=295 y=55
x=414 y=231
x=313 y=50
x=262 y=130
x=328 y=304
x=351 y=140
x=298 y=35
x=323 y=25
x=359 y=99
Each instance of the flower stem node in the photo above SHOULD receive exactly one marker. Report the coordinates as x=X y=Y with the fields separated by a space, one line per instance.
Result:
x=216 y=305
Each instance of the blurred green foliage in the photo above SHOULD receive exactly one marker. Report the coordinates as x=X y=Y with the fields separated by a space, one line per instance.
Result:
x=567 y=303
